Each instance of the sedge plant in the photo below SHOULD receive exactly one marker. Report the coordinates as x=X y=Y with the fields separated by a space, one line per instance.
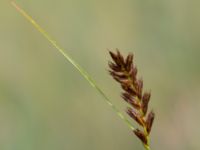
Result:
x=122 y=70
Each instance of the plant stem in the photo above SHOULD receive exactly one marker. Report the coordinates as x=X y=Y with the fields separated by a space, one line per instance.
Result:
x=74 y=63
x=147 y=147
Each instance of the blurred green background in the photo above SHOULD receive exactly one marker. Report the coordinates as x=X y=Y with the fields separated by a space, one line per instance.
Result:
x=46 y=105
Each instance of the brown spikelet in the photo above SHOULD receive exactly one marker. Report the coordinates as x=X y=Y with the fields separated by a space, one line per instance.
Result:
x=129 y=61
x=135 y=116
x=149 y=121
x=141 y=136
x=131 y=100
x=145 y=102
x=139 y=86
x=124 y=71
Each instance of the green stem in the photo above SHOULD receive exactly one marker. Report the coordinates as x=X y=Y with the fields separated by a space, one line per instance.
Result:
x=147 y=147
x=74 y=63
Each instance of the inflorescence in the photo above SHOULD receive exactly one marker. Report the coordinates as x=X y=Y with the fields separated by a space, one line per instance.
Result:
x=124 y=71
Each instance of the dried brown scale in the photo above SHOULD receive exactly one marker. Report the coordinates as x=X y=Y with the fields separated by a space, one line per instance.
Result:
x=129 y=61
x=139 y=86
x=118 y=74
x=145 y=102
x=136 y=116
x=141 y=136
x=149 y=121
x=131 y=100
x=124 y=71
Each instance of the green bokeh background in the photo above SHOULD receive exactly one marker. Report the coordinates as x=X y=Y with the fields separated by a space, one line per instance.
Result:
x=46 y=105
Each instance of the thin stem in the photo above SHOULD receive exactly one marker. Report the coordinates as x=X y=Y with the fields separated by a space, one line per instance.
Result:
x=74 y=63
x=147 y=147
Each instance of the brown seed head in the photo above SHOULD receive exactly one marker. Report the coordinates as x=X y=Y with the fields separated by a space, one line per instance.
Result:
x=124 y=71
